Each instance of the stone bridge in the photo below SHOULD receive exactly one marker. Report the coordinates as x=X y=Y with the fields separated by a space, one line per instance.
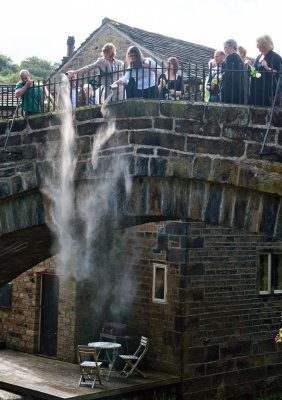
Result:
x=187 y=161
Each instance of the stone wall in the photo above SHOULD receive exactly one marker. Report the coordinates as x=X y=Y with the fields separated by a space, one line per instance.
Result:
x=198 y=163
x=214 y=331
x=20 y=324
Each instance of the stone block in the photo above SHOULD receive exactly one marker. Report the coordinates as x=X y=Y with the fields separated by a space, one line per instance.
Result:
x=89 y=113
x=133 y=124
x=135 y=108
x=225 y=379
x=176 y=255
x=39 y=121
x=233 y=350
x=240 y=209
x=224 y=171
x=163 y=123
x=179 y=109
x=258 y=116
x=202 y=168
x=4 y=189
x=142 y=166
x=158 y=167
x=158 y=138
x=252 y=374
x=212 y=211
x=90 y=128
x=10 y=140
x=269 y=213
x=197 y=199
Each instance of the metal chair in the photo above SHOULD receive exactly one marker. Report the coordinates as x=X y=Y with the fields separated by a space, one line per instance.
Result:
x=131 y=361
x=88 y=365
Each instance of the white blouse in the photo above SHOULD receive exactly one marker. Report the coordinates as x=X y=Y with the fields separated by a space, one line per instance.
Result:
x=145 y=76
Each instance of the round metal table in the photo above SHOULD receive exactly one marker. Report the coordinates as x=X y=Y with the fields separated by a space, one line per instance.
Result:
x=111 y=355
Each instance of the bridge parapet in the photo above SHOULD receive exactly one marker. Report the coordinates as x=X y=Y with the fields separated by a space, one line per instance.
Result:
x=200 y=161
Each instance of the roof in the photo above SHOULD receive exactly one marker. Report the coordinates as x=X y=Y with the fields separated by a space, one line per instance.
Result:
x=161 y=46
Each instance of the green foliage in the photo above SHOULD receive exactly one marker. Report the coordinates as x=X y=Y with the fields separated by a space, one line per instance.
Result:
x=6 y=65
x=10 y=78
x=9 y=72
x=38 y=68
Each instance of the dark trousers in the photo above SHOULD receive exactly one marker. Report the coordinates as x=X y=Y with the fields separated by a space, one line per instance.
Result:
x=132 y=91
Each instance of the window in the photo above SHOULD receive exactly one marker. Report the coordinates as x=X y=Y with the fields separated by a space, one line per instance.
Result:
x=5 y=295
x=159 y=283
x=270 y=273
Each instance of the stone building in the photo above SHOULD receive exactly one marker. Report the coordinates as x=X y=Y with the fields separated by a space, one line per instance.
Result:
x=208 y=308
x=154 y=45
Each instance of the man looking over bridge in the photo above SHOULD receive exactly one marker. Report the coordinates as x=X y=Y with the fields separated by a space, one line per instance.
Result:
x=31 y=94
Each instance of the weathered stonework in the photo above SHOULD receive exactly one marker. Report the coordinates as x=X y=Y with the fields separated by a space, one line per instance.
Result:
x=214 y=330
x=195 y=164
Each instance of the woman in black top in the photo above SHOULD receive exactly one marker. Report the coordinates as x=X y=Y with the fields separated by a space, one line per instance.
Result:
x=170 y=84
x=264 y=77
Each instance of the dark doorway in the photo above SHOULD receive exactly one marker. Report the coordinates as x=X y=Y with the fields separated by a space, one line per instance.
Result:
x=49 y=315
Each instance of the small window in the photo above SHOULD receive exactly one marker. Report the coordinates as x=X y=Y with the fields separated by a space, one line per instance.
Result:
x=270 y=273
x=277 y=272
x=5 y=295
x=159 y=283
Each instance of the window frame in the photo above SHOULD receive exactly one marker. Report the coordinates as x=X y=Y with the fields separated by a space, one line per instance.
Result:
x=162 y=299
x=6 y=295
x=270 y=271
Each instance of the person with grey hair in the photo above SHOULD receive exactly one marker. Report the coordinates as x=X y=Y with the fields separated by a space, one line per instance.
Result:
x=232 y=87
x=264 y=73
x=32 y=94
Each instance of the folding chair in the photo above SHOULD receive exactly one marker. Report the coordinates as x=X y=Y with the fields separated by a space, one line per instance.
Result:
x=88 y=365
x=133 y=360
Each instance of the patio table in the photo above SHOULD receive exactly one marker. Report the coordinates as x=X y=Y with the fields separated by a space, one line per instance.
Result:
x=111 y=355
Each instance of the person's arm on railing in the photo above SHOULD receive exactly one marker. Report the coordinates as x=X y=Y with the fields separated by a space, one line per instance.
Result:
x=81 y=70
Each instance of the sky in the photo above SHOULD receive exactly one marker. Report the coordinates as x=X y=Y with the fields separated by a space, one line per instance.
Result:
x=41 y=28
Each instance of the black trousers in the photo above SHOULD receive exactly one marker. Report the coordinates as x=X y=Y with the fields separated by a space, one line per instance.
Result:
x=132 y=91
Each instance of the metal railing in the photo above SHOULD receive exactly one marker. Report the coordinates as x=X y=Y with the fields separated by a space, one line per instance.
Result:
x=198 y=83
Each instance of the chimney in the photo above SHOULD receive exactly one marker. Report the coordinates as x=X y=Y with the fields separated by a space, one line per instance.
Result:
x=70 y=46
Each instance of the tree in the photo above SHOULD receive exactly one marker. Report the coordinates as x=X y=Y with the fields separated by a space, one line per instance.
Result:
x=39 y=69
x=7 y=66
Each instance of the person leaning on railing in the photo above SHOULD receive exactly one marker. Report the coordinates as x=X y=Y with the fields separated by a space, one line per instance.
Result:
x=212 y=84
x=232 y=73
x=110 y=70
x=140 y=78
x=264 y=73
x=32 y=94
x=170 y=84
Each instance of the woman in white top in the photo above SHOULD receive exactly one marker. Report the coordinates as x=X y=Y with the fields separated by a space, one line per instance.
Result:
x=110 y=70
x=140 y=77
